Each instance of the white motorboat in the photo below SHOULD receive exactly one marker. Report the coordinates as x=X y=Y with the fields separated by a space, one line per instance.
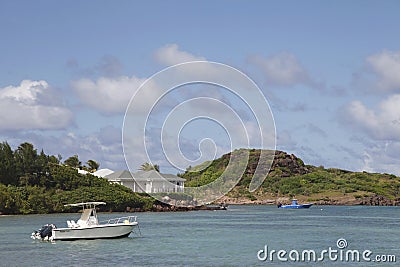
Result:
x=88 y=226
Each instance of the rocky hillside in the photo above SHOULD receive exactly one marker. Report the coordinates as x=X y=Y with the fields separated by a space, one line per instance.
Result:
x=285 y=165
x=289 y=177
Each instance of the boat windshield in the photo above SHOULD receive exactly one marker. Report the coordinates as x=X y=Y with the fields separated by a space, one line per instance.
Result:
x=89 y=217
x=86 y=214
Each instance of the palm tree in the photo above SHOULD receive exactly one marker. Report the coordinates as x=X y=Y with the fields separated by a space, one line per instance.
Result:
x=73 y=161
x=93 y=165
x=148 y=167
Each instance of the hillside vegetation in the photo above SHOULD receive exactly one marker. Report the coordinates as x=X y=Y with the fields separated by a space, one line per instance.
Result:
x=39 y=183
x=290 y=177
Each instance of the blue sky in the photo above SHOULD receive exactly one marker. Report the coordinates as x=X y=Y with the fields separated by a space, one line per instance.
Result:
x=330 y=72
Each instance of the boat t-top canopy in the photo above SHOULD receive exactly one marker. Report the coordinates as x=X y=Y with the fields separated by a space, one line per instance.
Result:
x=85 y=204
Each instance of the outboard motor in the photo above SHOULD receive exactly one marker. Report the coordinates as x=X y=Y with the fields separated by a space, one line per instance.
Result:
x=44 y=233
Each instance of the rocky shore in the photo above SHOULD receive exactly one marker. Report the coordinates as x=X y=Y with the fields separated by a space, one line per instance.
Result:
x=163 y=207
x=375 y=200
x=223 y=203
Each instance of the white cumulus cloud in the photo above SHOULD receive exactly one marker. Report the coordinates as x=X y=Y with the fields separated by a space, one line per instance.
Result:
x=112 y=94
x=382 y=123
x=386 y=65
x=382 y=157
x=27 y=107
x=282 y=69
x=27 y=92
x=171 y=55
x=108 y=95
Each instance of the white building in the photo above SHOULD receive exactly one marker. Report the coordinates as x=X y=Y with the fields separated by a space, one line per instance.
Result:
x=148 y=181
x=102 y=172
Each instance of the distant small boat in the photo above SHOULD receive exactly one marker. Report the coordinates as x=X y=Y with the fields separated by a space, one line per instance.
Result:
x=88 y=226
x=295 y=205
x=216 y=207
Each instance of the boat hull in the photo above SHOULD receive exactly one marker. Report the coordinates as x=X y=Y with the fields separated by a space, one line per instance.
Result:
x=302 y=206
x=94 y=232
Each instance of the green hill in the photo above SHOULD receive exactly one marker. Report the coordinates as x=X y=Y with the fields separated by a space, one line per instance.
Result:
x=289 y=177
x=32 y=182
x=66 y=185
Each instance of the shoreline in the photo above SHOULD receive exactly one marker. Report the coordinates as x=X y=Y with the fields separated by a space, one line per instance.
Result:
x=224 y=203
x=201 y=208
x=345 y=200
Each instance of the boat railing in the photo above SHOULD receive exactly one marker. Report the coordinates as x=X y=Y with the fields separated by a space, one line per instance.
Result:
x=120 y=220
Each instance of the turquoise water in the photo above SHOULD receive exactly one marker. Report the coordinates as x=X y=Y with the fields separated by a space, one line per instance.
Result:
x=211 y=238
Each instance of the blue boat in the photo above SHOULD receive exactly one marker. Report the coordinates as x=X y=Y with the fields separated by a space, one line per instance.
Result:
x=295 y=205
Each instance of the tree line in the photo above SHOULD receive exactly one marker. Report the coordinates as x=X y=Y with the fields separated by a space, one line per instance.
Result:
x=32 y=182
x=25 y=166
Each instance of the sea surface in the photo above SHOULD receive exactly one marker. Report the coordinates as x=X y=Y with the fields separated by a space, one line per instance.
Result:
x=236 y=237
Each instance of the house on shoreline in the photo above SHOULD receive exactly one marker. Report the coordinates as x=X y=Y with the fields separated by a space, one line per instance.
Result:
x=147 y=181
